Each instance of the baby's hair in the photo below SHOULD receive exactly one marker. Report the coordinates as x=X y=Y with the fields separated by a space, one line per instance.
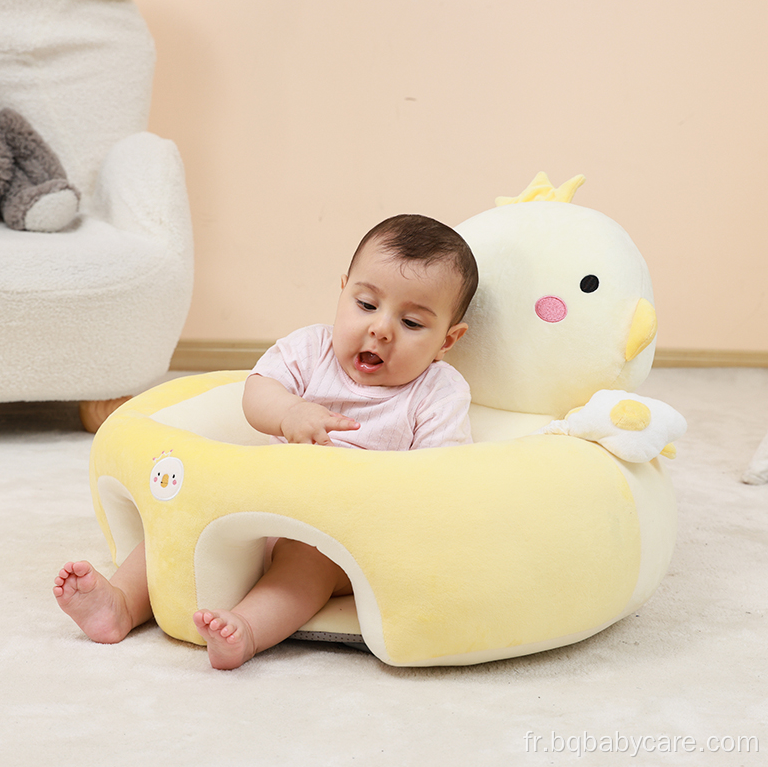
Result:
x=411 y=237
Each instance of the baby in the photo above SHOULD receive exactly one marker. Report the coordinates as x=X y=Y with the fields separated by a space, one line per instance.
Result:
x=376 y=380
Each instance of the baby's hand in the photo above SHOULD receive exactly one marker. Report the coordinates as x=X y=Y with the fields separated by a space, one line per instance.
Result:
x=309 y=423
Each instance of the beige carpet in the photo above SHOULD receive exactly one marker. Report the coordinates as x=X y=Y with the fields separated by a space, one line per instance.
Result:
x=686 y=674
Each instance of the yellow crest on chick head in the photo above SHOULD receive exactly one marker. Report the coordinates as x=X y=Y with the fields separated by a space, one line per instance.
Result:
x=541 y=190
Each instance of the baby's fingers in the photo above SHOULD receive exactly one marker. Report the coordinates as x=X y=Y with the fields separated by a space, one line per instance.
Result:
x=342 y=423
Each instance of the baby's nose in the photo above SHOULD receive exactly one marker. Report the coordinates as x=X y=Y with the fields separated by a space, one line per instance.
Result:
x=381 y=327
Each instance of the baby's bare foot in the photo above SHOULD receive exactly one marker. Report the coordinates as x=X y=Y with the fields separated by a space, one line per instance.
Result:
x=92 y=602
x=229 y=637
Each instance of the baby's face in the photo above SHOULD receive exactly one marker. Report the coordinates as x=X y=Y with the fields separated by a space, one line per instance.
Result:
x=394 y=319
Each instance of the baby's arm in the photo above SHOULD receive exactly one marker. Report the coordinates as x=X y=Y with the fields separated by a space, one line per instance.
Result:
x=270 y=408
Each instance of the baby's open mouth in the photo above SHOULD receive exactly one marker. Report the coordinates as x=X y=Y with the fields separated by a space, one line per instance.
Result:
x=367 y=362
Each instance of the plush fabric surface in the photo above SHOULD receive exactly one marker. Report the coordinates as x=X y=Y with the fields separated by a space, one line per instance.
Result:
x=93 y=311
x=690 y=662
x=455 y=554
x=533 y=256
x=81 y=72
x=34 y=192
x=633 y=428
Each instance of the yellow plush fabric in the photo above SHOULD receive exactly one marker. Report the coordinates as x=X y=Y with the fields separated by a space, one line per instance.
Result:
x=518 y=543
x=631 y=415
x=447 y=540
x=542 y=251
x=541 y=189
x=643 y=329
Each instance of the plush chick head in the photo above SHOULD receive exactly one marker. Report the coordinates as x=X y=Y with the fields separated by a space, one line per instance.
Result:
x=564 y=306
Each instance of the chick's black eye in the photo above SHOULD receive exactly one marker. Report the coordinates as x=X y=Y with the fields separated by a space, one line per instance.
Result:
x=589 y=284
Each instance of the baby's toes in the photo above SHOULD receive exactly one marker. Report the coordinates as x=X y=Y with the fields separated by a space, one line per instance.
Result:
x=63 y=579
x=202 y=619
x=215 y=624
x=228 y=631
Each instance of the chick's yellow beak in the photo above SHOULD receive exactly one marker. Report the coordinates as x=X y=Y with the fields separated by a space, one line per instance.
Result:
x=643 y=329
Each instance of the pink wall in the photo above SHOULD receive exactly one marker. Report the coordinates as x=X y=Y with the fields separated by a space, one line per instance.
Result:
x=302 y=124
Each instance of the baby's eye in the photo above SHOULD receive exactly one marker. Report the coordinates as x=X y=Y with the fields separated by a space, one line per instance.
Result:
x=412 y=325
x=365 y=306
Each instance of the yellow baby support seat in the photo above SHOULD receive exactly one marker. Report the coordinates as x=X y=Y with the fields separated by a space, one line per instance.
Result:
x=518 y=543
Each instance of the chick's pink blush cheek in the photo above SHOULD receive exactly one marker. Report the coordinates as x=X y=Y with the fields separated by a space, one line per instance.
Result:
x=551 y=309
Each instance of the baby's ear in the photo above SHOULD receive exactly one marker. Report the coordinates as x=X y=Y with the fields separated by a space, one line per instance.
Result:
x=454 y=334
x=344 y=278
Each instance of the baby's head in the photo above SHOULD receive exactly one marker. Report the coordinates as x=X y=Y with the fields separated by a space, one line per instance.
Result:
x=418 y=241
x=408 y=286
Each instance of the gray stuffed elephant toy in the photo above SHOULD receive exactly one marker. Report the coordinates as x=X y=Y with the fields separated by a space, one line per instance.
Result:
x=34 y=192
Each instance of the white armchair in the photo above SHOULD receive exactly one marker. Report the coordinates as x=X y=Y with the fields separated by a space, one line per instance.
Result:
x=94 y=312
